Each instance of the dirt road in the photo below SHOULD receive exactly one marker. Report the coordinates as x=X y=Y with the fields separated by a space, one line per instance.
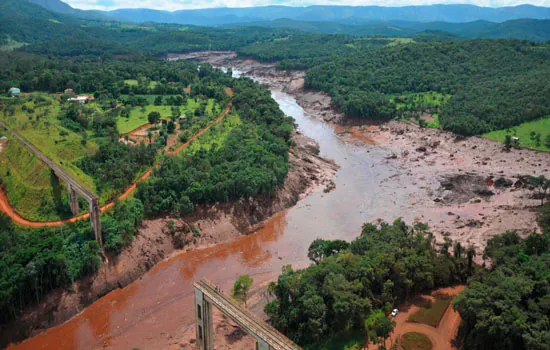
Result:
x=442 y=336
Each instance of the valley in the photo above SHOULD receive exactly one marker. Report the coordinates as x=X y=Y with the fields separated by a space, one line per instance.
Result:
x=379 y=185
x=355 y=177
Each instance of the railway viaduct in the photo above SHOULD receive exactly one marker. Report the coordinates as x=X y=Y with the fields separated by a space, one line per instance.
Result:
x=75 y=188
x=208 y=295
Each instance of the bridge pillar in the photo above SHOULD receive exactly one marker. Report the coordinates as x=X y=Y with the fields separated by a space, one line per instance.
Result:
x=73 y=200
x=95 y=219
x=203 y=322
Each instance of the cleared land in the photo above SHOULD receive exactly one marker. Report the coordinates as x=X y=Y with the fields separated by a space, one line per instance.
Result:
x=29 y=184
x=415 y=341
x=36 y=119
x=527 y=133
x=139 y=115
x=215 y=137
x=134 y=82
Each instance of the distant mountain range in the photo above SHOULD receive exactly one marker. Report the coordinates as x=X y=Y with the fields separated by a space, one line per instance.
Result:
x=339 y=14
x=530 y=29
x=25 y=22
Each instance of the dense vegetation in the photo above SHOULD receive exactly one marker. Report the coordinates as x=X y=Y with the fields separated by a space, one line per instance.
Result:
x=115 y=165
x=251 y=160
x=349 y=282
x=494 y=84
x=509 y=306
x=35 y=261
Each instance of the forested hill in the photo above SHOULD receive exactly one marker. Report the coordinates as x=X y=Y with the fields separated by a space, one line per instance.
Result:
x=64 y=8
x=494 y=84
x=528 y=29
x=342 y=14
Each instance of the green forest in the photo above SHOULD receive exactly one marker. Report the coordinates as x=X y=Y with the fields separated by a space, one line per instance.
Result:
x=508 y=305
x=504 y=306
x=349 y=282
x=494 y=84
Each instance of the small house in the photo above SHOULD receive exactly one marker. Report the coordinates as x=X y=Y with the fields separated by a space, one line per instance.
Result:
x=68 y=91
x=14 y=91
x=515 y=140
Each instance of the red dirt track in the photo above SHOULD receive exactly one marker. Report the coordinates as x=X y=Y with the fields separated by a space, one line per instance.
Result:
x=6 y=207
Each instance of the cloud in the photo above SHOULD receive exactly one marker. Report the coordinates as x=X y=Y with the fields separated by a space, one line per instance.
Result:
x=172 y=5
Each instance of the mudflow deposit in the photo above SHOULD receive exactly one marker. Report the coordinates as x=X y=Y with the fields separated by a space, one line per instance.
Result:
x=344 y=173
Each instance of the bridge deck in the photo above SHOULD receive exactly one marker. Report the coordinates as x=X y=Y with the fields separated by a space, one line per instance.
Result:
x=60 y=172
x=244 y=318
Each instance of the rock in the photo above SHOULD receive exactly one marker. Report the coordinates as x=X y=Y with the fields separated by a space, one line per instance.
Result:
x=421 y=149
x=503 y=182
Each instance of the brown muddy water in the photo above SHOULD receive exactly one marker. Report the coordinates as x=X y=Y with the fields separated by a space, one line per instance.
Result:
x=153 y=311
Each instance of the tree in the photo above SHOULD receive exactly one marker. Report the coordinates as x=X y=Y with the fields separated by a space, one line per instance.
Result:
x=508 y=141
x=541 y=184
x=153 y=117
x=158 y=101
x=241 y=287
x=185 y=206
x=316 y=251
x=171 y=127
x=378 y=327
x=547 y=141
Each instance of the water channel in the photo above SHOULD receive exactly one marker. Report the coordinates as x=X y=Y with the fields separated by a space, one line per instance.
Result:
x=149 y=311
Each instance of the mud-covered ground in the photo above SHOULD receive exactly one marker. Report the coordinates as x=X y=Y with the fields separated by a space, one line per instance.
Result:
x=466 y=188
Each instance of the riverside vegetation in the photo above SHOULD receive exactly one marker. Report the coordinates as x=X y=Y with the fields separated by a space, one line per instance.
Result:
x=250 y=159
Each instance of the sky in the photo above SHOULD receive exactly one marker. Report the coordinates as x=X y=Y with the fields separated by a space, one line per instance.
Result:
x=172 y=5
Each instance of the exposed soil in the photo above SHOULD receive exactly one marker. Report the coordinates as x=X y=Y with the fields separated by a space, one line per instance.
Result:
x=474 y=182
x=467 y=188
x=441 y=337
x=308 y=172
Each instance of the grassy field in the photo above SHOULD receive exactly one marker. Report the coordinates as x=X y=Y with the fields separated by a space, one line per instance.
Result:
x=63 y=146
x=413 y=107
x=10 y=45
x=138 y=117
x=423 y=100
x=416 y=341
x=29 y=184
x=134 y=82
x=400 y=41
x=432 y=313
x=523 y=131
x=215 y=137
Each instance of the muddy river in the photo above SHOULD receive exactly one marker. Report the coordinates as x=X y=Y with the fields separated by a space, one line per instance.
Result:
x=154 y=311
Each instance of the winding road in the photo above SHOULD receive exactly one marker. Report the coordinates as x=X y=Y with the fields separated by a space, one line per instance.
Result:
x=8 y=209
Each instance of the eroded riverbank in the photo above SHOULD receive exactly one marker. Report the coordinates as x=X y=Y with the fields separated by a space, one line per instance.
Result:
x=466 y=188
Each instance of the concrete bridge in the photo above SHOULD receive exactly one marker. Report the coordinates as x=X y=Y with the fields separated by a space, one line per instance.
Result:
x=75 y=188
x=208 y=295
